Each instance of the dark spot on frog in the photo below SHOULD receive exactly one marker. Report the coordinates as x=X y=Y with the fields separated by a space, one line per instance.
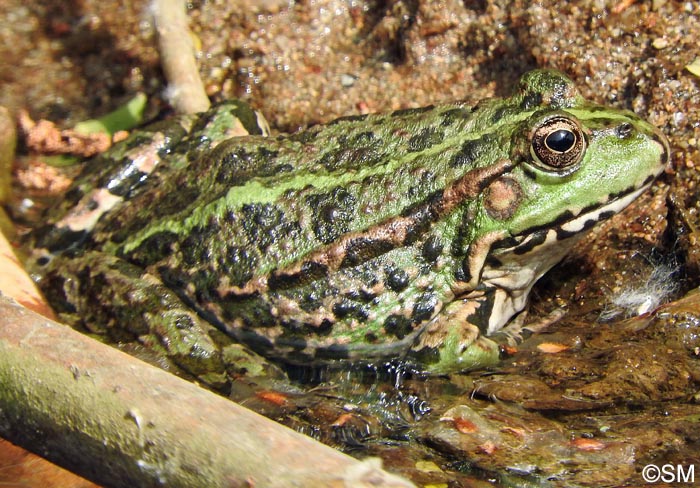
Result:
x=361 y=295
x=267 y=155
x=172 y=134
x=506 y=243
x=423 y=215
x=482 y=313
x=362 y=249
x=53 y=287
x=57 y=239
x=175 y=279
x=304 y=137
x=246 y=116
x=126 y=182
x=265 y=224
x=333 y=213
x=205 y=283
x=73 y=196
x=396 y=279
x=605 y=122
x=371 y=338
x=330 y=213
x=503 y=112
x=472 y=151
x=348 y=118
x=625 y=130
x=253 y=310
x=363 y=138
x=43 y=261
x=236 y=165
x=535 y=240
x=295 y=329
x=196 y=247
x=227 y=109
x=153 y=248
x=425 y=180
x=184 y=322
x=426 y=138
x=493 y=262
x=349 y=309
x=432 y=248
x=311 y=297
x=459 y=246
x=449 y=117
x=411 y=111
x=565 y=234
x=237 y=264
x=398 y=326
x=424 y=307
x=531 y=100
x=349 y=158
x=92 y=205
x=310 y=271
x=352 y=150
x=462 y=273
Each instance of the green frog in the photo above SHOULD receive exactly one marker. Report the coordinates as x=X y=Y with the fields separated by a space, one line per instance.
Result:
x=416 y=234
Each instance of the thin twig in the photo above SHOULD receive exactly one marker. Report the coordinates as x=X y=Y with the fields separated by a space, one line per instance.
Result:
x=185 y=88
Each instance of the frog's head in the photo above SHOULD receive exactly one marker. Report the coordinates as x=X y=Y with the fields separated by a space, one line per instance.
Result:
x=575 y=167
x=571 y=164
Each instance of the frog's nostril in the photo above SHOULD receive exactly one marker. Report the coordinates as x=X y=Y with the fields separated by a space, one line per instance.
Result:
x=624 y=130
x=662 y=141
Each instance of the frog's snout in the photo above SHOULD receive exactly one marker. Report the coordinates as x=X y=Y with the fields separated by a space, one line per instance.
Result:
x=660 y=138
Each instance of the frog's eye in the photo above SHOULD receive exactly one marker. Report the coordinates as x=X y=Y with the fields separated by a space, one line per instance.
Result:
x=558 y=144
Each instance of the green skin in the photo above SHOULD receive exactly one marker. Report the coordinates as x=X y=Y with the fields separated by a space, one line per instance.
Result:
x=417 y=232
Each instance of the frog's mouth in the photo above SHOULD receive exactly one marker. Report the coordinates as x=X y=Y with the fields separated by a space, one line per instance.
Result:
x=590 y=218
x=567 y=225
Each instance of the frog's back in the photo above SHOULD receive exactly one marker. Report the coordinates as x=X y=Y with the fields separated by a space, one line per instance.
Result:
x=326 y=234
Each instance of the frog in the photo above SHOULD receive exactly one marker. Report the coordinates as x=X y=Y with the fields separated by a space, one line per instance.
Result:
x=415 y=235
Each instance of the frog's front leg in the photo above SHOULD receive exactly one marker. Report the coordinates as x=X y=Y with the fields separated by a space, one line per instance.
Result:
x=116 y=298
x=456 y=339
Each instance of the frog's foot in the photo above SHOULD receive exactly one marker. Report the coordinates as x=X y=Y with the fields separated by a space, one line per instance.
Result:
x=450 y=344
x=516 y=332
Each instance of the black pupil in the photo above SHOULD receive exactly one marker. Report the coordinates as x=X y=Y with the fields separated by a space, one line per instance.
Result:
x=560 y=140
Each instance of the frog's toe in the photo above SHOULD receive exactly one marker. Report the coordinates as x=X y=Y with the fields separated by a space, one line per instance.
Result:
x=459 y=347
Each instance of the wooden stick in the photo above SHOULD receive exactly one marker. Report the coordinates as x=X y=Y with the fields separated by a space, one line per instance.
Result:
x=122 y=423
x=185 y=88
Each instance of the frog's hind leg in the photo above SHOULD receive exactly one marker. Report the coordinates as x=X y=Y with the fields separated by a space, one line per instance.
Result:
x=112 y=297
x=451 y=343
